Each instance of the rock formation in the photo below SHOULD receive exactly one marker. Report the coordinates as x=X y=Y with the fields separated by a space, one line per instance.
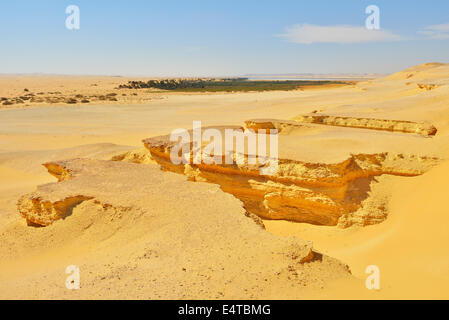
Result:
x=201 y=243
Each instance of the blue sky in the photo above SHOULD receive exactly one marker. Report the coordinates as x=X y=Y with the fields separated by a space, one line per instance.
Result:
x=220 y=38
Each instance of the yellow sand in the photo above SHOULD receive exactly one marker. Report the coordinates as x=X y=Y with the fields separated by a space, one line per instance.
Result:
x=411 y=247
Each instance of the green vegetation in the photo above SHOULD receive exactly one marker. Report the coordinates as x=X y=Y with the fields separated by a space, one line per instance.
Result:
x=224 y=85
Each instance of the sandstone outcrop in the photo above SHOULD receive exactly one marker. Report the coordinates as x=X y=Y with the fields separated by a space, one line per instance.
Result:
x=174 y=221
x=423 y=128
x=321 y=193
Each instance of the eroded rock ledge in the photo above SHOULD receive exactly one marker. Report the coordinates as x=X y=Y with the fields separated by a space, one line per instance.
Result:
x=39 y=211
x=422 y=128
x=317 y=193
x=177 y=219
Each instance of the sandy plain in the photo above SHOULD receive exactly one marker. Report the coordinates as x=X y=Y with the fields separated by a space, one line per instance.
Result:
x=140 y=232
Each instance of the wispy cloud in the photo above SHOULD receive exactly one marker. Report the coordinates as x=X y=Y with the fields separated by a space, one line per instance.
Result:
x=438 y=31
x=308 y=34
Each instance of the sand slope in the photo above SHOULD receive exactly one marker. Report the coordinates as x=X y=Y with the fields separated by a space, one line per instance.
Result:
x=411 y=247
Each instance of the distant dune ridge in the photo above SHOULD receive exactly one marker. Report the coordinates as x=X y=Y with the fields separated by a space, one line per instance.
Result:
x=327 y=76
x=362 y=181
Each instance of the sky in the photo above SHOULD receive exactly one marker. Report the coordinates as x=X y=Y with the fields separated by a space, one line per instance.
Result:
x=220 y=38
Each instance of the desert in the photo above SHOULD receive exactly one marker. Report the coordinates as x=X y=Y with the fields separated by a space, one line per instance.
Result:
x=362 y=181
